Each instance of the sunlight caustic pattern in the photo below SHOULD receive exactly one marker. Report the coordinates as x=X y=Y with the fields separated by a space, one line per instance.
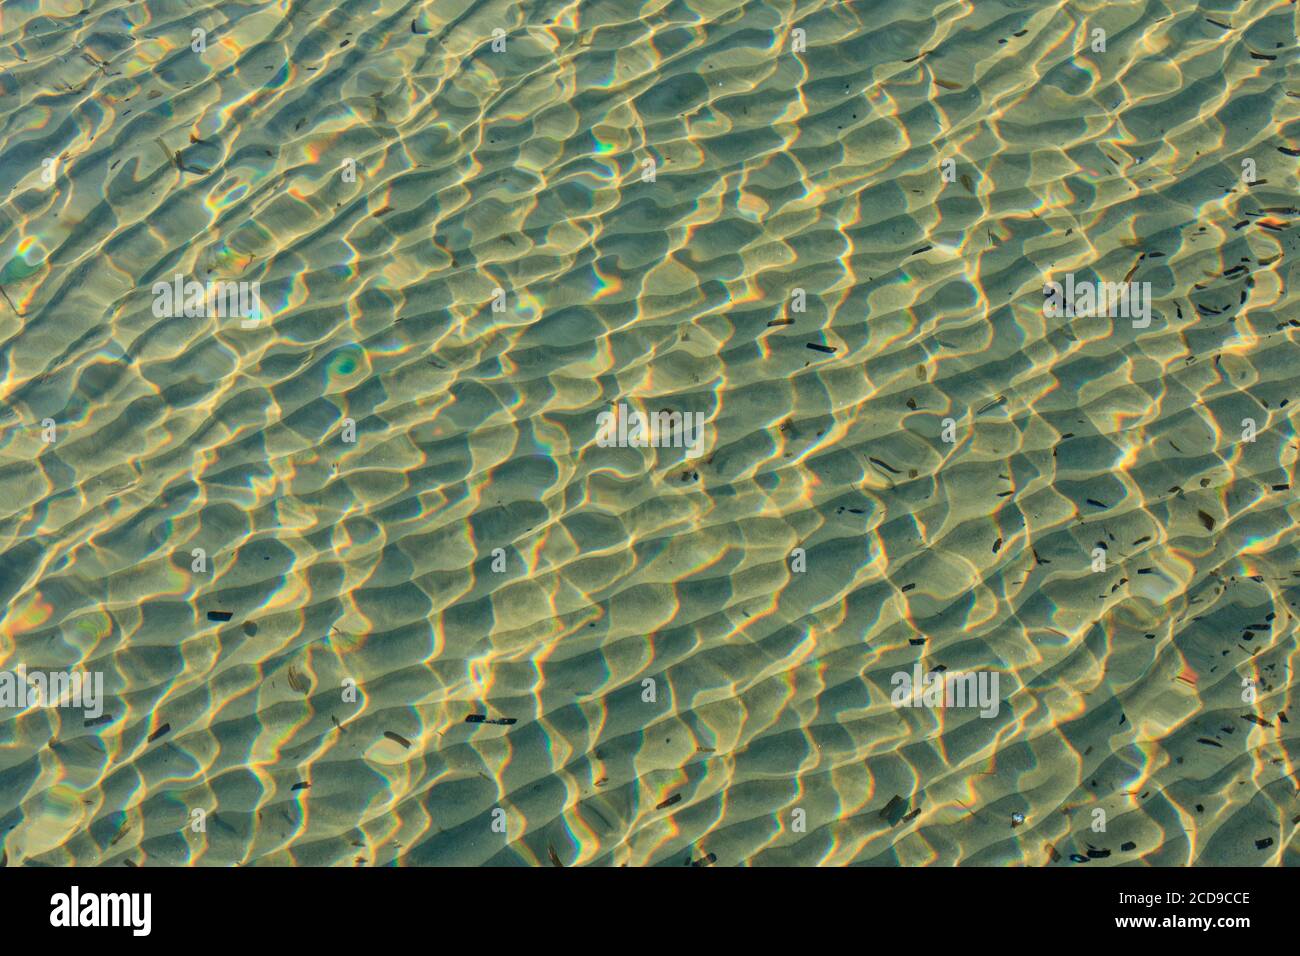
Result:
x=365 y=587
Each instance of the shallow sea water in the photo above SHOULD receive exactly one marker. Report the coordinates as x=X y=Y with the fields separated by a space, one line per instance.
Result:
x=466 y=254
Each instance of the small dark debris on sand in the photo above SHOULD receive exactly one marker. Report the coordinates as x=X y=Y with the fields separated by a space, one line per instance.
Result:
x=122 y=831
x=675 y=798
x=101 y=719
x=829 y=350
x=220 y=615
x=708 y=860
x=165 y=728
x=300 y=785
x=555 y=857
x=483 y=719
x=1264 y=844
x=894 y=810
x=1256 y=720
x=398 y=738
x=298 y=682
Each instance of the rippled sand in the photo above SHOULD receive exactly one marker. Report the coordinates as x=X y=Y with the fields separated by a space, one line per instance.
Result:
x=371 y=610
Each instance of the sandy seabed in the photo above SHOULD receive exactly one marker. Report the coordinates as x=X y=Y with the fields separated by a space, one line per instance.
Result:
x=364 y=587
